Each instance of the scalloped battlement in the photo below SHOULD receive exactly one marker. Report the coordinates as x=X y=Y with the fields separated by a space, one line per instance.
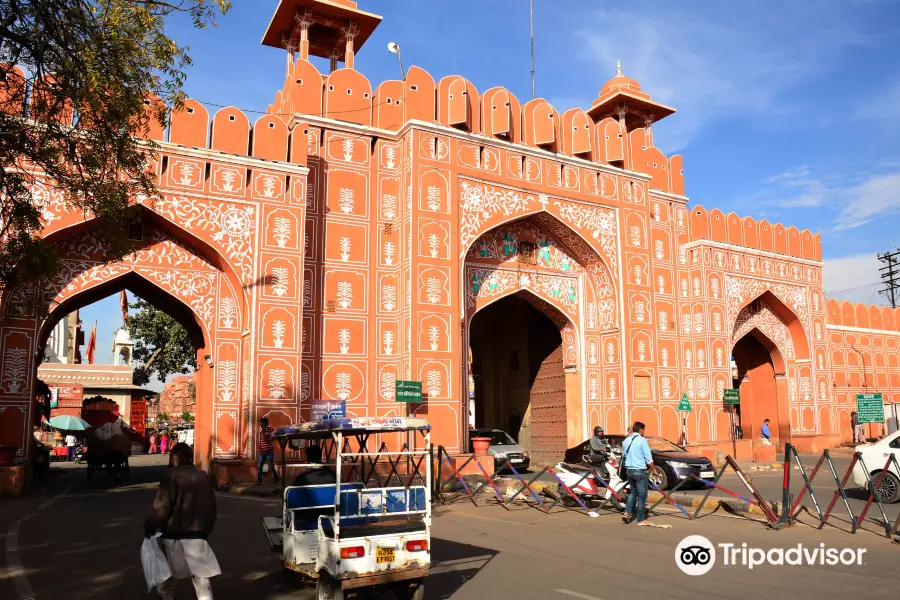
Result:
x=346 y=95
x=760 y=235
x=864 y=316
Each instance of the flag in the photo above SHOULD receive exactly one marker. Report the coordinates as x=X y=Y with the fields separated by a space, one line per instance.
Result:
x=123 y=304
x=92 y=344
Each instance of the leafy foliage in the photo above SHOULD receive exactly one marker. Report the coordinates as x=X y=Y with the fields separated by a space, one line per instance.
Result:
x=187 y=417
x=79 y=79
x=161 y=345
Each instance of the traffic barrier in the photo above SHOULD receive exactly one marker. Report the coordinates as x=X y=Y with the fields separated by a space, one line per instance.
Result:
x=670 y=499
x=442 y=453
x=772 y=520
x=840 y=492
x=526 y=486
x=873 y=493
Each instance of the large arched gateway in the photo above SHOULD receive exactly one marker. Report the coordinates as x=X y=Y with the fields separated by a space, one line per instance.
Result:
x=355 y=236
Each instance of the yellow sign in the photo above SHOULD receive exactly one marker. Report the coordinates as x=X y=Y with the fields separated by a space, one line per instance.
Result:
x=385 y=555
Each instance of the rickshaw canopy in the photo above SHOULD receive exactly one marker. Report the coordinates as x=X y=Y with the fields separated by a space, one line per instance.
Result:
x=351 y=426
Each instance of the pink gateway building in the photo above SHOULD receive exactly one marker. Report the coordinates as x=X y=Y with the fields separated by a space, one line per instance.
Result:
x=537 y=272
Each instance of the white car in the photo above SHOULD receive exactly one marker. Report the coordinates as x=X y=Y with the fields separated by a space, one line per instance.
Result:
x=875 y=456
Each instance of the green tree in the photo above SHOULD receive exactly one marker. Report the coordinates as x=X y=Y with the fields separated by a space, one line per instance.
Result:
x=187 y=417
x=114 y=70
x=162 y=347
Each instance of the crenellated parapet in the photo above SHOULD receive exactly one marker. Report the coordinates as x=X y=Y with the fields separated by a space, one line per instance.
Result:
x=843 y=313
x=732 y=229
x=620 y=140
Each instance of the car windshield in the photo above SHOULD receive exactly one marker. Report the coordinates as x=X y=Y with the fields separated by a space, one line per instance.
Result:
x=498 y=438
x=663 y=445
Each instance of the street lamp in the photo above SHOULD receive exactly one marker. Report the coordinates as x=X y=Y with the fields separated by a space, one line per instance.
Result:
x=394 y=48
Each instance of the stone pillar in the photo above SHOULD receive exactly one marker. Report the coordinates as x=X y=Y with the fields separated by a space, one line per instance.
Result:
x=349 y=33
x=304 y=21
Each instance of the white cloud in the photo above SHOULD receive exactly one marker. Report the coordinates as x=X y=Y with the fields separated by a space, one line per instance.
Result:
x=854 y=278
x=718 y=64
x=877 y=195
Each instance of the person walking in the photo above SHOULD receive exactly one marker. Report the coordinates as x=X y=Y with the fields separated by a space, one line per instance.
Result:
x=859 y=433
x=70 y=447
x=184 y=512
x=266 y=451
x=164 y=443
x=766 y=434
x=153 y=448
x=638 y=459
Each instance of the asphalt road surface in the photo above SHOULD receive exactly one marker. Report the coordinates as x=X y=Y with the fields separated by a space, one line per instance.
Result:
x=770 y=485
x=76 y=541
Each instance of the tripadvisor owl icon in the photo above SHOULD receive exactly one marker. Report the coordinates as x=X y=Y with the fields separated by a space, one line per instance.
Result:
x=695 y=555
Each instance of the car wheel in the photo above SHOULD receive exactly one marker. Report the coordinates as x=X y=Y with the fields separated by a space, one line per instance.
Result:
x=659 y=479
x=888 y=488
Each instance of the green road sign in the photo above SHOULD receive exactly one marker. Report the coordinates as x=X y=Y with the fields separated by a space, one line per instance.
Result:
x=408 y=391
x=870 y=408
x=685 y=404
x=732 y=396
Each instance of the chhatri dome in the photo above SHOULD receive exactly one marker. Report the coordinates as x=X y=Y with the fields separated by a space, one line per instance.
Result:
x=622 y=97
x=621 y=82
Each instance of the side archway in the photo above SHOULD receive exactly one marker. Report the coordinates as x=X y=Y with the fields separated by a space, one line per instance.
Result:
x=169 y=273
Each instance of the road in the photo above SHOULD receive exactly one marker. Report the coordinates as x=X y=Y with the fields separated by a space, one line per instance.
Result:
x=770 y=485
x=77 y=541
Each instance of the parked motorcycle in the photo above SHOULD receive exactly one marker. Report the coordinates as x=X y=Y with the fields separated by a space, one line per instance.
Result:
x=79 y=452
x=589 y=489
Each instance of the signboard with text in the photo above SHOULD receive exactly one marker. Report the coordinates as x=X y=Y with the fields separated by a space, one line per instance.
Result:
x=408 y=391
x=322 y=410
x=731 y=397
x=67 y=396
x=870 y=408
x=685 y=404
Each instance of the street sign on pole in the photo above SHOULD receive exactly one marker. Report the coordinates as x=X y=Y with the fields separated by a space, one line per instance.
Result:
x=870 y=408
x=408 y=391
x=731 y=397
x=685 y=404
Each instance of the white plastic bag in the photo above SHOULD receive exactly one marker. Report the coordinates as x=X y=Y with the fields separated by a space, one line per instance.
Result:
x=156 y=567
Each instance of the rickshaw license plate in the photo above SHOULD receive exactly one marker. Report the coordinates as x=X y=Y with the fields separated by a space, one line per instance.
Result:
x=385 y=555
x=707 y=474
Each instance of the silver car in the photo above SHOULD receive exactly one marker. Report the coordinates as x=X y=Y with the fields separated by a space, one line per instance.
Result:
x=504 y=449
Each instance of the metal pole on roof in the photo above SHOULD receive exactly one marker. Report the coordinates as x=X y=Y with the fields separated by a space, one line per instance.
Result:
x=531 y=20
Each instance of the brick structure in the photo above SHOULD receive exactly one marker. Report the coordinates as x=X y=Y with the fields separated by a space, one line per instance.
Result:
x=354 y=236
x=178 y=397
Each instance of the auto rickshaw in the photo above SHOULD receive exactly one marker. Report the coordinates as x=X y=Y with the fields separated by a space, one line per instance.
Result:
x=373 y=527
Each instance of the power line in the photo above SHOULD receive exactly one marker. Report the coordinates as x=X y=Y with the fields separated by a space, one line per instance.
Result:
x=859 y=287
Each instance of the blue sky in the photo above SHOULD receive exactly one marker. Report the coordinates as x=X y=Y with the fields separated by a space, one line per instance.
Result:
x=788 y=111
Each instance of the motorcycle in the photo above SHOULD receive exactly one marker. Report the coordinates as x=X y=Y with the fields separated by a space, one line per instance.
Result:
x=79 y=452
x=589 y=489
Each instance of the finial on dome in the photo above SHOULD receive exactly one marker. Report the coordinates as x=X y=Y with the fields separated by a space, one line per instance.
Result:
x=618 y=68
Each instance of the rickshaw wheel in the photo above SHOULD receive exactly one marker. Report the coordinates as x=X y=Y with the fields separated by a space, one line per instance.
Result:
x=327 y=588
x=413 y=593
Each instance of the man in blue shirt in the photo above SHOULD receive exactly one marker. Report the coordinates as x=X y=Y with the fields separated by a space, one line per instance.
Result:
x=636 y=452
x=766 y=436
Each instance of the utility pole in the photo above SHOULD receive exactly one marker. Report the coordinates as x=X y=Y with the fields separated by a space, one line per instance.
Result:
x=890 y=275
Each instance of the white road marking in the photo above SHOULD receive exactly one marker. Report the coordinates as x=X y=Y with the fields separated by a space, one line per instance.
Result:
x=15 y=571
x=577 y=595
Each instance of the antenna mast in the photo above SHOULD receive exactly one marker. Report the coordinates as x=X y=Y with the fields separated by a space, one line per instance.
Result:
x=531 y=20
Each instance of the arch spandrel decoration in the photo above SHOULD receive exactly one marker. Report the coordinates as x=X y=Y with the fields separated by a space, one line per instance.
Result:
x=741 y=290
x=484 y=206
x=231 y=226
x=759 y=315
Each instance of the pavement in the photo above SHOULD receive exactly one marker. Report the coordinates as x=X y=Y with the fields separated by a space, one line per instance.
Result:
x=74 y=540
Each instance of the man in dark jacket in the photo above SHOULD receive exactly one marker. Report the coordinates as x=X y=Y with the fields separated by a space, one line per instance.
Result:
x=184 y=512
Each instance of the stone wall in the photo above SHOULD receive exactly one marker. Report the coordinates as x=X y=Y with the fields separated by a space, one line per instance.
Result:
x=178 y=397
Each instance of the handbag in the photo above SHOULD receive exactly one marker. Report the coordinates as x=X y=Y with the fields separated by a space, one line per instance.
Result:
x=623 y=472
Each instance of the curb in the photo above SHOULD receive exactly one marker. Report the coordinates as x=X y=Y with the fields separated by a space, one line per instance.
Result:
x=735 y=506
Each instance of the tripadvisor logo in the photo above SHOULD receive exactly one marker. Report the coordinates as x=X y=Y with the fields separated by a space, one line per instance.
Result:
x=696 y=555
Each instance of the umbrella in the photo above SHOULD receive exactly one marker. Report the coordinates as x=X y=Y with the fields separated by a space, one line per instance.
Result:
x=68 y=423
